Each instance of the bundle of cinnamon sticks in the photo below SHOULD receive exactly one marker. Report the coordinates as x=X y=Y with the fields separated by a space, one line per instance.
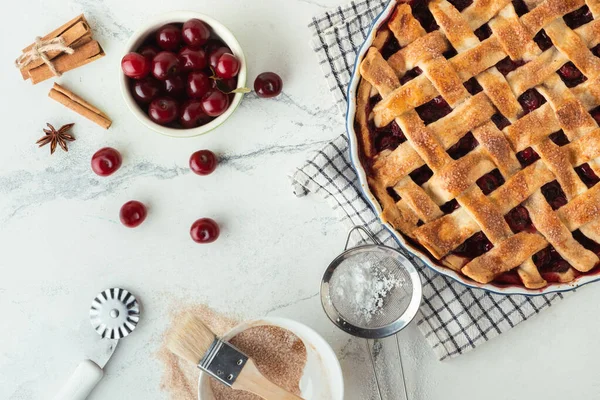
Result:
x=75 y=34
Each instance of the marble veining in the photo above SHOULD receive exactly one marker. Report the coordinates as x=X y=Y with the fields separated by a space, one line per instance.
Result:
x=61 y=241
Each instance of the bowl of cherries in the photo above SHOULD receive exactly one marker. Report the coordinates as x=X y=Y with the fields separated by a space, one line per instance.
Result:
x=182 y=74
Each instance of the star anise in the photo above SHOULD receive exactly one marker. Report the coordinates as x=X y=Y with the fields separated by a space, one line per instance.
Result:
x=54 y=137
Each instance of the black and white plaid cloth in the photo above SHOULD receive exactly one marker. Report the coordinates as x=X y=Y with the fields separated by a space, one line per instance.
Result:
x=453 y=318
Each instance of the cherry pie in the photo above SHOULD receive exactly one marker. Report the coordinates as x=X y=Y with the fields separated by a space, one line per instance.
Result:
x=478 y=130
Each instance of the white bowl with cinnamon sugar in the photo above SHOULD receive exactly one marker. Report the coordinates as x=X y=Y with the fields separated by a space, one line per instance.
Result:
x=148 y=28
x=288 y=353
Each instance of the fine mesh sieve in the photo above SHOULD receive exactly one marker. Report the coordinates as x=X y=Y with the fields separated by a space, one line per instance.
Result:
x=371 y=291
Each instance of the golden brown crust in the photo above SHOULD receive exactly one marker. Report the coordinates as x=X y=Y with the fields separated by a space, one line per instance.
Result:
x=418 y=213
x=404 y=26
x=509 y=254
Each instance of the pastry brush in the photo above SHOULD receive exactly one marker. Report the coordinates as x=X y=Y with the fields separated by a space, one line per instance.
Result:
x=193 y=341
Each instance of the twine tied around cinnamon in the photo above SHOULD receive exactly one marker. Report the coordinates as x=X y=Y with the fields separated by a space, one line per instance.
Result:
x=39 y=50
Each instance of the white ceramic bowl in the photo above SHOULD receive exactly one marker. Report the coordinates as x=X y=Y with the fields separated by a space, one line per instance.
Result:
x=151 y=26
x=360 y=171
x=322 y=379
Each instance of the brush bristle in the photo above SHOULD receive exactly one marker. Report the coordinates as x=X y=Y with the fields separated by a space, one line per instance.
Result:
x=190 y=339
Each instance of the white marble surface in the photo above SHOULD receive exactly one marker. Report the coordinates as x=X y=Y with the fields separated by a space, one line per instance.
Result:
x=61 y=241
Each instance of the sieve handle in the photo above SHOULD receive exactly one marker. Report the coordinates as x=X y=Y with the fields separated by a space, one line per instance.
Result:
x=366 y=232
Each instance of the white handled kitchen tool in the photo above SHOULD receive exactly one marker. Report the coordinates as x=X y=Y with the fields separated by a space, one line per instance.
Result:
x=372 y=291
x=114 y=314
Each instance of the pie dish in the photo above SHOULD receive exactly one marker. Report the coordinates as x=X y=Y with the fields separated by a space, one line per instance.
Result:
x=474 y=131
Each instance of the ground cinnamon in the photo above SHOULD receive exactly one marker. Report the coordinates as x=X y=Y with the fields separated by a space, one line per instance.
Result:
x=79 y=105
x=279 y=355
x=180 y=378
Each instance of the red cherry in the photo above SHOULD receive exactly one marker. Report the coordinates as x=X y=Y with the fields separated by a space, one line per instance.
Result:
x=195 y=32
x=168 y=37
x=135 y=65
x=488 y=183
x=149 y=52
x=192 y=115
x=198 y=84
x=527 y=156
x=106 y=161
x=192 y=59
x=163 y=110
x=133 y=213
x=204 y=230
x=228 y=66
x=569 y=71
x=518 y=220
x=215 y=103
x=439 y=102
x=164 y=65
x=531 y=100
x=175 y=86
x=213 y=58
x=203 y=162
x=506 y=65
x=268 y=84
x=227 y=85
x=145 y=90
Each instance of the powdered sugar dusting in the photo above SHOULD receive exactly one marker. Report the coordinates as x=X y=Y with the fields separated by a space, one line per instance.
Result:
x=366 y=289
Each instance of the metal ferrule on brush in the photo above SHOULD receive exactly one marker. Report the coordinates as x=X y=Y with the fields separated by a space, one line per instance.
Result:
x=223 y=362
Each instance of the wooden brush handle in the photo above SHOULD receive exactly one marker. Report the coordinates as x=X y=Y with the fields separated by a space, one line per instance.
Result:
x=251 y=380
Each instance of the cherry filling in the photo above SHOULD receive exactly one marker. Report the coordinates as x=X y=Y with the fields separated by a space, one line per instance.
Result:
x=527 y=157
x=450 y=206
x=559 y=138
x=531 y=100
x=393 y=194
x=473 y=86
x=520 y=7
x=410 y=75
x=450 y=53
x=550 y=264
x=483 y=32
x=509 y=278
x=474 y=246
x=506 y=65
x=388 y=137
x=554 y=195
x=500 y=120
x=596 y=114
x=570 y=75
x=490 y=182
x=463 y=146
x=542 y=40
x=518 y=219
x=461 y=4
x=390 y=47
x=433 y=110
x=421 y=175
x=587 y=242
x=578 y=17
x=422 y=14
x=587 y=175
x=596 y=51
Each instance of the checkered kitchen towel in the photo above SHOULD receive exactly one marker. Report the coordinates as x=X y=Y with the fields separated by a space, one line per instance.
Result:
x=453 y=318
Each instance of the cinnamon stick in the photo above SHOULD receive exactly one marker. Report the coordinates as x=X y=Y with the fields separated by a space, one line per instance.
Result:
x=74 y=36
x=84 y=54
x=79 y=105
x=60 y=30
